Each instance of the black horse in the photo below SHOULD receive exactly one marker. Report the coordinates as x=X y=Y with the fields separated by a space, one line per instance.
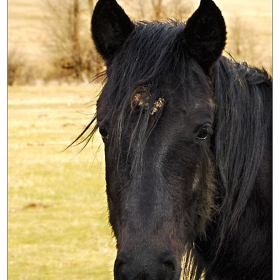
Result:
x=188 y=148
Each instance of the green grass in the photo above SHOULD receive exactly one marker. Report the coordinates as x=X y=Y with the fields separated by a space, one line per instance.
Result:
x=57 y=213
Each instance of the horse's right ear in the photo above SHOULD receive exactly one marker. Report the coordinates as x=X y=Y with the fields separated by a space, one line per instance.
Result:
x=110 y=27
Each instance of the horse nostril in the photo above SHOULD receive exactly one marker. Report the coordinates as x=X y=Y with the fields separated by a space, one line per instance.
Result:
x=170 y=269
x=146 y=267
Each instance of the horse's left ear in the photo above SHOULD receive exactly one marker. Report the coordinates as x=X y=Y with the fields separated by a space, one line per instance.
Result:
x=110 y=27
x=205 y=35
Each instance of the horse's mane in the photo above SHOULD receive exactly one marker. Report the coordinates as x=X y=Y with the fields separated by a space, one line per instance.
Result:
x=242 y=132
x=243 y=126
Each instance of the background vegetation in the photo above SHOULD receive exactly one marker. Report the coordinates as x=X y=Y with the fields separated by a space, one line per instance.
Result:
x=57 y=214
x=51 y=42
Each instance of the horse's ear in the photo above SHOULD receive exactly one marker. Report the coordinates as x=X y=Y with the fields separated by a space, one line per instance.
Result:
x=205 y=35
x=110 y=27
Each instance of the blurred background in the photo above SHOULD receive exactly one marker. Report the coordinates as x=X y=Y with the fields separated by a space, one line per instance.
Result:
x=57 y=214
x=49 y=41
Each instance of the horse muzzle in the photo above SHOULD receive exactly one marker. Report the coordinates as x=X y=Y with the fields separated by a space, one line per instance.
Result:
x=146 y=265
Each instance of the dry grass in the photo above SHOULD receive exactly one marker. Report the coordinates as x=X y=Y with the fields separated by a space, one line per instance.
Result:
x=57 y=216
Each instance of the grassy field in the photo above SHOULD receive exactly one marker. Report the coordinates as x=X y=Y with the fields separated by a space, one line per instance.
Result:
x=57 y=215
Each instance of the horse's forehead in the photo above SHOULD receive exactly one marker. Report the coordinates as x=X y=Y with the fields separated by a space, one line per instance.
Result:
x=141 y=97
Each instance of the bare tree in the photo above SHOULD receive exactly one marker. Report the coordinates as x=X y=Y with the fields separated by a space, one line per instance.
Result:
x=67 y=24
x=77 y=59
x=242 y=43
x=20 y=72
x=178 y=9
x=159 y=9
x=15 y=63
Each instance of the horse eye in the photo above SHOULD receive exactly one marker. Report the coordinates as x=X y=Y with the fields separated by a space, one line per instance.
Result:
x=204 y=132
x=103 y=132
